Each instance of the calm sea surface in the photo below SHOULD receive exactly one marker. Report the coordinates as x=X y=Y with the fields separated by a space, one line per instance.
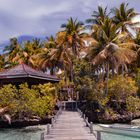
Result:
x=28 y=133
x=34 y=133
x=106 y=136
x=126 y=134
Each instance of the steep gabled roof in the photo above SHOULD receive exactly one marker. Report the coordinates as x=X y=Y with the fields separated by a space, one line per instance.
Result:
x=22 y=71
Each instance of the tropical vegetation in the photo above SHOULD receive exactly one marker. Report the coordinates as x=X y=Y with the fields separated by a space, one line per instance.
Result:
x=99 y=58
x=25 y=103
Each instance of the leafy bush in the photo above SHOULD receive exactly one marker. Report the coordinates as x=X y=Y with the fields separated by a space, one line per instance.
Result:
x=26 y=102
x=138 y=80
x=133 y=104
x=120 y=87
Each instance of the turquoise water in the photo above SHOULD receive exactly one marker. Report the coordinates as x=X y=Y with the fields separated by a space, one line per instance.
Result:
x=107 y=136
x=129 y=134
x=34 y=133
x=28 y=133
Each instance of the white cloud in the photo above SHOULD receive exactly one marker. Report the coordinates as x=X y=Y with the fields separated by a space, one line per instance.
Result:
x=42 y=17
x=25 y=17
x=137 y=18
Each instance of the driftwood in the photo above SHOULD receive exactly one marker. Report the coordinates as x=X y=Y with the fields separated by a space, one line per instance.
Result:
x=2 y=110
x=6 y=117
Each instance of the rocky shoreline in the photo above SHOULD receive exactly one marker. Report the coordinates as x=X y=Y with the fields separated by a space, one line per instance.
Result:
x=126 y=118
x=109 y=115
x=23 y=123
x=136 y=122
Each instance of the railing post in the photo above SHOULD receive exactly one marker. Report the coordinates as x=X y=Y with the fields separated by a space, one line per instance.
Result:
x=98 y=135
x=48 y=129
x=81 y=113
x=57 y=115
x=91 y=127
x=55 y=118
x=52 y=121
x=84 y=116
x=42 y=136
x=87 y=122
x=60 y=111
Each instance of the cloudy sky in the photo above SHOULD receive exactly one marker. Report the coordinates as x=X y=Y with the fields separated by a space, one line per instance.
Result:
x=44 y=17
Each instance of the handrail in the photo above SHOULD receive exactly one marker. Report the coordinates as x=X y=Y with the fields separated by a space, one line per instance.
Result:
x=53 y=120
x=90 y=125
x=84 y=117
x=99 y=129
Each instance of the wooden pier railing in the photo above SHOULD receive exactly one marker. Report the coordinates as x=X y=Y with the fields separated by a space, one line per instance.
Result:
x=49 y=126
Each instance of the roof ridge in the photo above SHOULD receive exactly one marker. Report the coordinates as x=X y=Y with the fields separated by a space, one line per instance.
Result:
x=37 y=71
x=24 y=67
x=23 y=70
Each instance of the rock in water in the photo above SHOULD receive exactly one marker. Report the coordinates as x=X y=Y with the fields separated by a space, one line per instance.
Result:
x=136 y=122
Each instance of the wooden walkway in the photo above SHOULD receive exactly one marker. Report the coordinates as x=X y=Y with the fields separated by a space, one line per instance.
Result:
x=70 y=126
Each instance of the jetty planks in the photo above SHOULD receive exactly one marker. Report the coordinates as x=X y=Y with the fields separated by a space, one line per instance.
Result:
x=69 y=126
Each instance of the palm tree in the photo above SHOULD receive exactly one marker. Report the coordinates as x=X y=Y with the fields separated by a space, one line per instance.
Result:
x=137 y=48
x=28 y=52
x=73 y=36
x=124 y=15
x=98 y=16
x=44 y=57
x=57 y=57
x=50 y=43
x=12 y=52
x=63 y=58
x=108 y=51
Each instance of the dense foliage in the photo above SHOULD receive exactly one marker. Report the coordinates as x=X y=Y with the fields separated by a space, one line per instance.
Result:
x=24 y=102
x=99 y=60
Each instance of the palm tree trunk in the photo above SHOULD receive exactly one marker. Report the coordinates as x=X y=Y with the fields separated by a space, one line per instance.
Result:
x=71 y=73
x=123 y=70
x=113 y=71
x=107 y=77
x=65 y=74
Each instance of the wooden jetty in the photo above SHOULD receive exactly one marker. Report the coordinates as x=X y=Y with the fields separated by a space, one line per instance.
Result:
x=69 y=126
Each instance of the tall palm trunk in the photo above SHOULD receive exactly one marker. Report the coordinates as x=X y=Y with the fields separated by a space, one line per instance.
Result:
x=123 y=70
x=107 y=77
x=65 y=74
x=71 y=73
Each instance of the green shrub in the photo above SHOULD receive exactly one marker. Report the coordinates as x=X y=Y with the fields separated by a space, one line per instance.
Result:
x=26 y=102
x=121 y=87
x=133 y=104
x=138 y=81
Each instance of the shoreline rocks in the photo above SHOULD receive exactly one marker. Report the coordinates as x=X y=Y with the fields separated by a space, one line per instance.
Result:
x=136 y=122
x=24 y=123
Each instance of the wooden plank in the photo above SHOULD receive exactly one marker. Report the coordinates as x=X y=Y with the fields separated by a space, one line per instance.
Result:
x=70 y=126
